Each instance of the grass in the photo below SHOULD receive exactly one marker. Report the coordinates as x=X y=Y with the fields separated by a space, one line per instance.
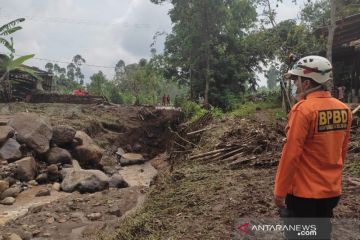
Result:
x=249 y=108
x=179 y=200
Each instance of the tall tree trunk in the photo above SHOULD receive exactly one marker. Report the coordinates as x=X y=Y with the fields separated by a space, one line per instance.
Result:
x=207 y=59
x=330 y=41
x=207 y=78
x=332 y=28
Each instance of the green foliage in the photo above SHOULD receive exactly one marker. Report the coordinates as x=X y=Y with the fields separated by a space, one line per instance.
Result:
x=101 y=86
x=206 y=50
x=272 y=76
x=192 y=110
x=317 y=13
x=249 y=108
x=8 y=29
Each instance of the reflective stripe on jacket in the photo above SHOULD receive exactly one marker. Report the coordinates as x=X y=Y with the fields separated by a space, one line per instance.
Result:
x=317 y=139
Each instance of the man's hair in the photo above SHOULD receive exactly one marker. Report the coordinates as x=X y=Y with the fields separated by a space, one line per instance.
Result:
x=312 y=82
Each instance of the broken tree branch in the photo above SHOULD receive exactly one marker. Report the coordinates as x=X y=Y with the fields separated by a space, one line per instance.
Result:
x=187 y=141
x=356 y=110
x=210 y=153
x=198 y=131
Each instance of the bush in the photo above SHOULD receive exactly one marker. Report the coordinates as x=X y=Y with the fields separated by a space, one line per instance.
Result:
x=192 y=110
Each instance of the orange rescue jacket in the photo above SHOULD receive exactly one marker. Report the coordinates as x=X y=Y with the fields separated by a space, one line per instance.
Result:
x=312 y=158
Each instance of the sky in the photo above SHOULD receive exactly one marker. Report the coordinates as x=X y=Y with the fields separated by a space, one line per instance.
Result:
x=101 y=31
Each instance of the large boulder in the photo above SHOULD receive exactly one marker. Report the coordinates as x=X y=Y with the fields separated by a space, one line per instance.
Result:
x=10 y=192
x=6 y=132
x=4 y=185
x=58 y=155
x=63 y=135
x=10 y=151
x=26 y=169
x=88 y=155
x=83 y=138
x=84 y=181
x=32 y=130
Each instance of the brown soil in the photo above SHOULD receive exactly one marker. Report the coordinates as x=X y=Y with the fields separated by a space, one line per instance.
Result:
x=204 y=198
x=144 y=130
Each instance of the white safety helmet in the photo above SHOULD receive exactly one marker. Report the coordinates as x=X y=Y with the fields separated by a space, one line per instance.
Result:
x=317 y=68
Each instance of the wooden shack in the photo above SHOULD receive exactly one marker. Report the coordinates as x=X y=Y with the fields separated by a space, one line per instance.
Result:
x=23 y=84
x=346 y=55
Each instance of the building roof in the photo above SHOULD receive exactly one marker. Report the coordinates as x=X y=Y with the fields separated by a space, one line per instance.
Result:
x=347 y=31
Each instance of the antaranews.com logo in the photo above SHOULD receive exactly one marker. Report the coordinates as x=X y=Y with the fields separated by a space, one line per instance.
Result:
x=296 y=228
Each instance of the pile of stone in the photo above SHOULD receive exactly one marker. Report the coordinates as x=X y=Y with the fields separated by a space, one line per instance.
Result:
x=33 y=152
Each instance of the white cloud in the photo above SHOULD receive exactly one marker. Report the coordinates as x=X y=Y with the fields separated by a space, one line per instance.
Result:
x=103 y=32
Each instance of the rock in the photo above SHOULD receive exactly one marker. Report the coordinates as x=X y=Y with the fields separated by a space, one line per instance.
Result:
x=50 y=220
x=4 y=185
x=56 y=187
x=131 y=158
x=58 y=155
x=52 y=169
x=35 y=209
x=6 y=132
x=89 y=155
x=120 y=152
x=8 y=201
x=84 y=181
x=76 y=165
x=62 y=220
x=42 y=178
x=117 y=181
x=10 y=180
x=13 y=236
x=63 y=135
x=53 y=173
x=11 y=150
x=83 y=138
x=11 y=192
x=110 y=170
x=137 y=147
x=115 y=211
x=94 y=216
x=43 y=193
x=32 y=130
x=33 y=183
x=26 y=169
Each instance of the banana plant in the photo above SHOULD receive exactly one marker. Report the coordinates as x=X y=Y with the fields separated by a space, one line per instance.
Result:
x=9 y=64
x=6 y=30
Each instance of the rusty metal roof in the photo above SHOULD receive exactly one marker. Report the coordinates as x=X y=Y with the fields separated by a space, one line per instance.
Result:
x=347 y=31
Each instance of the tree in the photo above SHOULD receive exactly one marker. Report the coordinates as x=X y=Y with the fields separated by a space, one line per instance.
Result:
x=119 y=71
x=206 y=49
x=49 y=67
x=272 y=76
x=74 y=69
x=78 y=60
x=97 y=84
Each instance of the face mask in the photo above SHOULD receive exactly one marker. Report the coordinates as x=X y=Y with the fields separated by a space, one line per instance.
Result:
x=295 y=95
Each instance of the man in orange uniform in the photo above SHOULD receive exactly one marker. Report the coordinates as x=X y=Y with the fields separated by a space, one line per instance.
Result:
x=308 y=178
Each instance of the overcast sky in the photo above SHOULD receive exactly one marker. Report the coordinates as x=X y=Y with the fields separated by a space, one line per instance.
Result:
x=102 y=31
